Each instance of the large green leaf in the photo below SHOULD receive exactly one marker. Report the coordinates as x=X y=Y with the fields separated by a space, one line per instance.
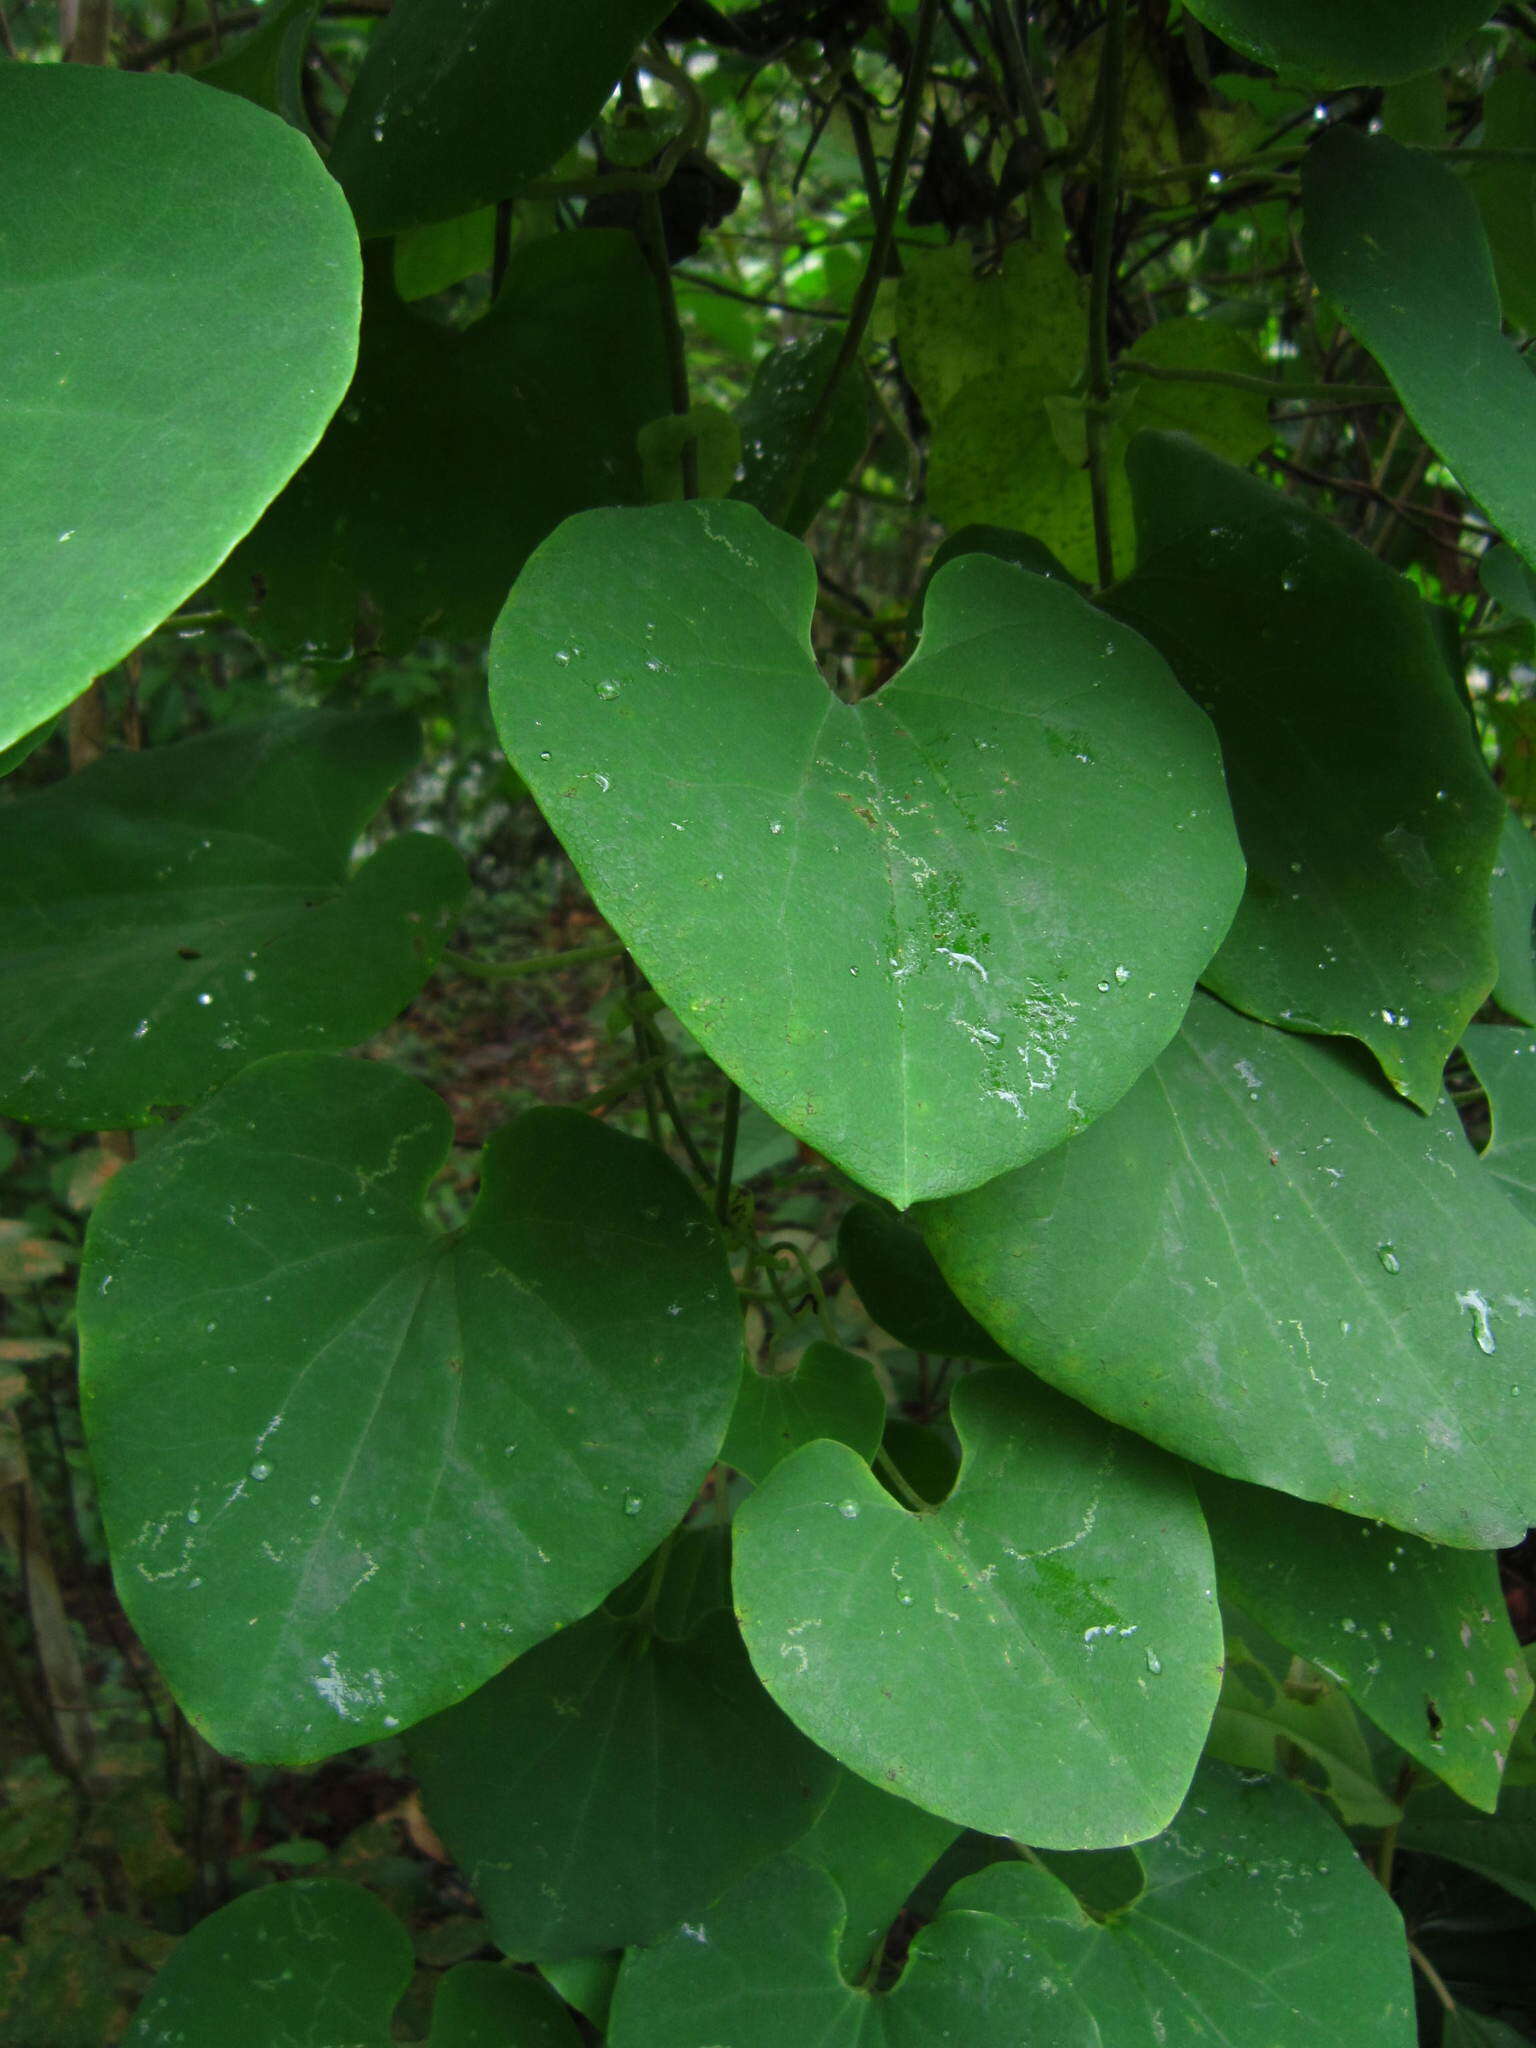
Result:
x=1367 y=42
x=1368 y=820
x=486 y=2005
x=898 y=1280
x=1506 y=192
x=179 y=322
x=829 y=1393
x=1258 y=1924
x=1263 y=1261
x=1512 y=905
x=1393 y=240
x=1418 y=1634
x=168 y=917
x=612 y=1783
x=1012 y=450
x=399 y=1459
x=1063 y=1592
x=307 y=1964
x=458 y=102
x=455 y=453
x=1501 y=1846
x=316 y=1964
x=932 y=934
x=955 y=327
x=876 y=1849
x=1505 y=1062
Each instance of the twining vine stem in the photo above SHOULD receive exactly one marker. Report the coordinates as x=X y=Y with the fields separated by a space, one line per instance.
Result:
x=1112 y=99
x=874 y=269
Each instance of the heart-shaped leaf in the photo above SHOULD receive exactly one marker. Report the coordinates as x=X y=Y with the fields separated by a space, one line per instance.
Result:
x=1064 y=1589
x=307 y=1964
x=1418 y=1634
x=979 y=899
x=352 y=1523
x=830 y=1393
x=1222 y=1944
x=1263 y=1261
x=456 y=452
x=876 y=1849
x=1393 y=239
x=1501 y=1847
x=1368 y=820
x=178 y=265
x=1369 y=42
x=612 y=1783
x=459 y=101
x=168 y=917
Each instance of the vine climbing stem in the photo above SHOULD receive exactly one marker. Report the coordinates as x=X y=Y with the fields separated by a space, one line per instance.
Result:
x=862 y=309
x=1112 y=105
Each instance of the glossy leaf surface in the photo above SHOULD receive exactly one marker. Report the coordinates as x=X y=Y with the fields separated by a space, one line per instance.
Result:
x=306 y=1964
x=353 y=1523
x=168 y=917
x=1367 y=817
x=1417 y=1633
x=459 y=102
x=1504 y=1060
x=1513 y=903
x=1300 y=1282
x=456 y=453
x=1369 y=42
x=1064 y=1588
x=1257 y=1923
x=830 y=1393
x=612 y=1783
x=653 y=684
x=179 y=264
x=1393 y=239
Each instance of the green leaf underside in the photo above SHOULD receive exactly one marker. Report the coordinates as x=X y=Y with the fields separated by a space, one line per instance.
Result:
x=1504 y=1060
x=180 y=321
x=1418 y=1634
x=1393 y=240
x=898 y=1280
x=1000 y=454
x=1368 y=42
x=1301 y=1282
x=1501 y=1848
x=830 y=1393
x=612 y=1783
x=454 y=453
x=401 y=1459
x=1025 y=834
x=1306 y=1729
x=266 y=67
x=168 y=917
x=459 y=102
x=1064 y=1591
x=1512 y=902
x=1504 y=193
x=306 y=1964
x=1257 y=1924
x=1368 y=820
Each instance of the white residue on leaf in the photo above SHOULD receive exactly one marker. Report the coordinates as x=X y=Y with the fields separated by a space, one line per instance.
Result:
x=350 y=1697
